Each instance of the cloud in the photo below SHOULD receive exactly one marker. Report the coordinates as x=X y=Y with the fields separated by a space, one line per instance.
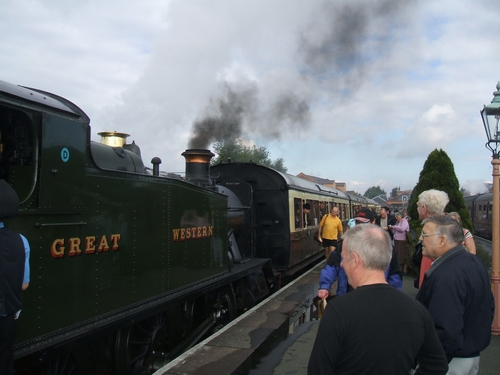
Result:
x=353 y=90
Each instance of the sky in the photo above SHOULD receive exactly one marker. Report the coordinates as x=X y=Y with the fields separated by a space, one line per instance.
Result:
x=357 y=91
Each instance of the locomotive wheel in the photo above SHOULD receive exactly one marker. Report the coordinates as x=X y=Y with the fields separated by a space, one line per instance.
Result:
x=246 y=299
x=194 y=314
x=225 y=307
x=142 y=348
x=62 y=365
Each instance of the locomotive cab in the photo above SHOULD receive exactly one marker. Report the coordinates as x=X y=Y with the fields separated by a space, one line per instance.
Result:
x=42 y=145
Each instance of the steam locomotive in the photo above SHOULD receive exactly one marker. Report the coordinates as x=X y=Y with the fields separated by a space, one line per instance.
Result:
x=131 y=266
x=480 y=210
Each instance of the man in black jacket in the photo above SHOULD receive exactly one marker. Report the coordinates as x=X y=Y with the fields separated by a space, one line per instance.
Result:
x=457 y=293
x=14 y=277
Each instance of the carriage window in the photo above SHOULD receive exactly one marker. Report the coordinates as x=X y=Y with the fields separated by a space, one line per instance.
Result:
x=299 y=217
x=323 y=209
x=315 y=213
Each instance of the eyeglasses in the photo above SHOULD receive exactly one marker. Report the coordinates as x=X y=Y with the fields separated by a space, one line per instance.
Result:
x=423 y=235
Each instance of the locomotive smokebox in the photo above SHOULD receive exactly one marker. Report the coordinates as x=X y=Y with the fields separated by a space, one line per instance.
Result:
x=198 y=166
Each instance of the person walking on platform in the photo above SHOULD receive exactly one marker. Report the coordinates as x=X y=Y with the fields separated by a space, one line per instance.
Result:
x=333 y=272
x=457 y=293
x=384 y=220
x=330 y=230
x=375 y=329
x=14 y=276
x=400 y=243
x=430 y=203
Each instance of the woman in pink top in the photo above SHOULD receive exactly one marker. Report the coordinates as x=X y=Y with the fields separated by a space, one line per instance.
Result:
x=400 y=244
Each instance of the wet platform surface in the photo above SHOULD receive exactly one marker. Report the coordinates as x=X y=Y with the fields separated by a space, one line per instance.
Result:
x=277 y=337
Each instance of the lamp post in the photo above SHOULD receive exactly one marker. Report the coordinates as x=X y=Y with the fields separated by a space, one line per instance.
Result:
x=491 y=116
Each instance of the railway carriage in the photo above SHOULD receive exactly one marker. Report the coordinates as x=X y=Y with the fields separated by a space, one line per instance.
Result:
x=480 y=210
x=277 y=225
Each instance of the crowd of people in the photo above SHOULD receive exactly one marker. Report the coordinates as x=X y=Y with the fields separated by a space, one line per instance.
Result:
x=371 y=327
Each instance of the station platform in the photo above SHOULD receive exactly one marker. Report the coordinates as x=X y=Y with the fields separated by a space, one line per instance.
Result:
x=276 y=337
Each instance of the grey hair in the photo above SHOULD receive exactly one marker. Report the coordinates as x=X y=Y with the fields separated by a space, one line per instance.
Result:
x=371 y=243
x=455 y=215
x=448 y=227
x=434 y=200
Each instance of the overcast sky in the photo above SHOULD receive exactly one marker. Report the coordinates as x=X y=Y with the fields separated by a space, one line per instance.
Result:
x=359 y=91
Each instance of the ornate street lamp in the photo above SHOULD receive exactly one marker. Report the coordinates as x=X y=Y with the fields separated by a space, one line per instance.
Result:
x=491 y=117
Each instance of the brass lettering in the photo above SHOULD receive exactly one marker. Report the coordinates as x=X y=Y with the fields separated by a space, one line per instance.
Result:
x=90 y=245
x=114 y=240
x=74 y=246
x=175 y=233
x=103 y=245
x=57 y=248
x=192 y=233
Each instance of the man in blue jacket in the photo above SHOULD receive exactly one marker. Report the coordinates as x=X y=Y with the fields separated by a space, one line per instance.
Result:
x=333 y=272
x=457 y=293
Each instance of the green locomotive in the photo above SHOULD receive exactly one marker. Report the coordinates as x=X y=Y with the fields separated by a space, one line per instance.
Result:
x=128 y=265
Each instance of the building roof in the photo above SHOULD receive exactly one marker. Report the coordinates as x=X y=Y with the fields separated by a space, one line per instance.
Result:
x=318 y=180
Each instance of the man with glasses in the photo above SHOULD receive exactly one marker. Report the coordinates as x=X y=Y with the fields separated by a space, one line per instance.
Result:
x=430 y=203
x=457 y=293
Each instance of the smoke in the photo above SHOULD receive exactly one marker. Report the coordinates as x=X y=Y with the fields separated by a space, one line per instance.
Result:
x=342 y=43
x=345 y=40
x=239 y=111
x=474 y=187
x=224 y=118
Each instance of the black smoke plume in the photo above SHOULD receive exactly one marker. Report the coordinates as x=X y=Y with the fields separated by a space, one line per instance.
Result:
x=338 y=49
x=238 y=111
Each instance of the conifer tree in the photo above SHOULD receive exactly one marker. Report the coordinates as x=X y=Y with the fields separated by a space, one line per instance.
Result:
x=439 y=173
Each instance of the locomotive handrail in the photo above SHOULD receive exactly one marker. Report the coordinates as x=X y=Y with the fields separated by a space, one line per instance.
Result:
x=59 y=224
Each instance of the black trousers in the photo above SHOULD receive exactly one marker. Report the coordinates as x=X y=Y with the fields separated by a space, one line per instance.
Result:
x=7 y=336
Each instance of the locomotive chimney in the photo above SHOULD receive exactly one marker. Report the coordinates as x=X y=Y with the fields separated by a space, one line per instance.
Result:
x=198 y=166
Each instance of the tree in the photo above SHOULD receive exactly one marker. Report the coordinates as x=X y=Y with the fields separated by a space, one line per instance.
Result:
x=238 y=152
x=374 y=191
x=438 y=173
x=394 y=192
